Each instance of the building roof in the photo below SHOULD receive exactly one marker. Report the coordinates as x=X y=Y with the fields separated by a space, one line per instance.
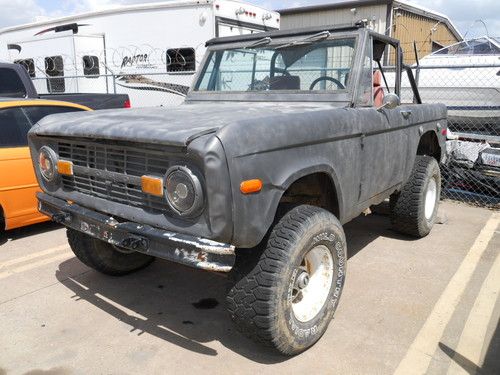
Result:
x=332 y=6
x=401 y=4
x=423 y=11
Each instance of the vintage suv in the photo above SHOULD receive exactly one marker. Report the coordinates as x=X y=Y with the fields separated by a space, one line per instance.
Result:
x=284 y=137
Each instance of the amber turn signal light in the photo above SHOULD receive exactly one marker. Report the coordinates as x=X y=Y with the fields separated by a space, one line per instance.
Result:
x=251 y=186
x=152 y=185
x=65 y=167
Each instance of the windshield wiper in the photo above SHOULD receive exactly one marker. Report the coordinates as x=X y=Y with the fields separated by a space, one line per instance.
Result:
x=307 y=40
x=261 y=42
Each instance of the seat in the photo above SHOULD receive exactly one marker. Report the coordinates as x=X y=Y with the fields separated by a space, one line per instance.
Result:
x=284 y=83
x=378 y=90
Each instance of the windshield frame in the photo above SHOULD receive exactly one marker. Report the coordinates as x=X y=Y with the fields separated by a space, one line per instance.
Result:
x=340 y=96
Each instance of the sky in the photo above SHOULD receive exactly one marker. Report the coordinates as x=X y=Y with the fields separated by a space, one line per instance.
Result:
x=463 y=13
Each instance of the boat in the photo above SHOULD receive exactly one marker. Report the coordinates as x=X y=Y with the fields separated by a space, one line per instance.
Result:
x=466 y=77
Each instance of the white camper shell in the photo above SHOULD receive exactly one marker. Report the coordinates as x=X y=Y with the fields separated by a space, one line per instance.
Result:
x=148 y=51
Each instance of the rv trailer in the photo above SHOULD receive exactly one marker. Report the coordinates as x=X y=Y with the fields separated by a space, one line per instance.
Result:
x=149 y=51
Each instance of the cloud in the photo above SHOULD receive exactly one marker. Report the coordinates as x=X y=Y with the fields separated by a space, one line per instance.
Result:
x=15 y=12
x=463 y=13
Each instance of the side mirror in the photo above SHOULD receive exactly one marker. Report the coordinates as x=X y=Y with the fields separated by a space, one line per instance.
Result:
x=391 y=101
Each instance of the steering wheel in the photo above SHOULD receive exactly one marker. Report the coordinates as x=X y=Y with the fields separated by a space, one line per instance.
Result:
x=282 y=71
x=325 y=78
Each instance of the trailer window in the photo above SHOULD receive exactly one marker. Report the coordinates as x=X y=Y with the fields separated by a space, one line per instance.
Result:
x=54 y=67
x=181 y=60
x=91 y=66
x=14 y=128
x=29 y=65
x=10 y=84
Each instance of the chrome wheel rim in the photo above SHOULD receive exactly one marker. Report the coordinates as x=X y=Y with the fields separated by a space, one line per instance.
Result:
x=430 y=198
x=312 y=283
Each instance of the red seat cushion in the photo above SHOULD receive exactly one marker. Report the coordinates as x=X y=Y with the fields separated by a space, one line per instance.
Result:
x=378 y=90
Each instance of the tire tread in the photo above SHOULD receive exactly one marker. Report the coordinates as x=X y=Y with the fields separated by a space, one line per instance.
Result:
x=90 y=252
x=256 y=275
x=407 y=205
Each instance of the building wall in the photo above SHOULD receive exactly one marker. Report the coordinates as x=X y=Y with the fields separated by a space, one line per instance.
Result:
x=406 y=26
x=337 y=17
x=409 y=27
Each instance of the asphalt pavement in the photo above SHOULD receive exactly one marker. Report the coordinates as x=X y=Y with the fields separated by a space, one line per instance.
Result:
x=409 y=307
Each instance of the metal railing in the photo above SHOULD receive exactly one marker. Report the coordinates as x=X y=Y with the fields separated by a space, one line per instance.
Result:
x=471 y=172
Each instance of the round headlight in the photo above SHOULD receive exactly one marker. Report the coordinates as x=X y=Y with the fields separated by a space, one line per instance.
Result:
x=183 y=191
x=47 y=162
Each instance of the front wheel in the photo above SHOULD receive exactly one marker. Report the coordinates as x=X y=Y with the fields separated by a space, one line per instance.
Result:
x=286 y=294
x=104 y=257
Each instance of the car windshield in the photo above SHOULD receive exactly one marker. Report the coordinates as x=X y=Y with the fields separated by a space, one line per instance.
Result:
x=479 y=46
x=296 y=66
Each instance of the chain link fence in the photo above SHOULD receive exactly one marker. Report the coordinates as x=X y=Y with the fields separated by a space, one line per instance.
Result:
x=148 y=89
x=471 y=172
x=150 y=76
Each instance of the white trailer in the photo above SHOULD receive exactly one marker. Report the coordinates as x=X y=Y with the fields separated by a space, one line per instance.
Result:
x=148 y=51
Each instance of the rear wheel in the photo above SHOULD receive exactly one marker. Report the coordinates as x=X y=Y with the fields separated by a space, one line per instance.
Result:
x=414 y=209
x=104 y=257
x=286 y=293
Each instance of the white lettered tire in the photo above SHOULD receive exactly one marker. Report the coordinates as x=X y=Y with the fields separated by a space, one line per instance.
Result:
x=414 y=209
x=285 y=295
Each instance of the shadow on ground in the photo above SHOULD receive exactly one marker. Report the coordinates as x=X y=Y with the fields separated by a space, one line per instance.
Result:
x=491 y=364
x=184 y=306
x=19 y=233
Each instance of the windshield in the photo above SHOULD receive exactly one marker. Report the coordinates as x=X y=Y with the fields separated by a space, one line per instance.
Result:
x=479 y=46
x=320 y=66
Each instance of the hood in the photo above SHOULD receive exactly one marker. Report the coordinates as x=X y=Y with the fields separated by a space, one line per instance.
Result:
x=175 y=126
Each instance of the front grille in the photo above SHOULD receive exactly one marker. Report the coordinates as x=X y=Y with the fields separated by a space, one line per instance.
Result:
x=113 y=172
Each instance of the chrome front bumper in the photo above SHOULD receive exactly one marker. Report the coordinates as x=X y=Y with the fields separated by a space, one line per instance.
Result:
x=184 y=249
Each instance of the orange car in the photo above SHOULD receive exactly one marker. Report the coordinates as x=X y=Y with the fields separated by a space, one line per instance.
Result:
x=18 y=185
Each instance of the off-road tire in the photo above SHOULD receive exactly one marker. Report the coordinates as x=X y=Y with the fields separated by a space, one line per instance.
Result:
x=103 y=257
x=2 y=220
x=408 y=206
x=259 y=300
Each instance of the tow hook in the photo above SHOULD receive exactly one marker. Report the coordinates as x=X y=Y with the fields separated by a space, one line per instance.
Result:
x=61 y=217
x=135 y=243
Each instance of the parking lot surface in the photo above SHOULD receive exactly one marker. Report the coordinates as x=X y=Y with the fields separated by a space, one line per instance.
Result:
x=409 y=306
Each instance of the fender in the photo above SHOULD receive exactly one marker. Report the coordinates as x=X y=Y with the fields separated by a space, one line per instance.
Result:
x=254 y=214
x=320 y=168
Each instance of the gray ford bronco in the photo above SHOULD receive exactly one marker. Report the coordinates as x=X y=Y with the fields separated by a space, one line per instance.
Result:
x=284 y=137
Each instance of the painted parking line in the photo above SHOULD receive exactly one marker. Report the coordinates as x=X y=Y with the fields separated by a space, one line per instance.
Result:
x=474 y=333
x=420 y=353
x=30 y=266
x=31 y=256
